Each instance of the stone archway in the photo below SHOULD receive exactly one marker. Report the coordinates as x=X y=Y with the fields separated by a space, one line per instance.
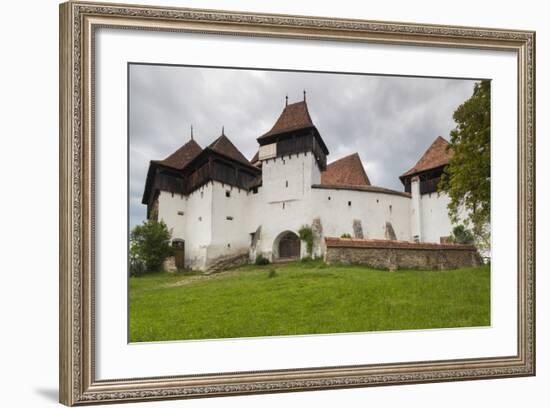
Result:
x=286 y=246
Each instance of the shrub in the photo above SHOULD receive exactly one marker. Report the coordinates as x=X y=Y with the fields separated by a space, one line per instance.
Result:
x=306 y=234
x=136 y=266
x=261 y=260
x=272 y=273
x=346 y=235
x=149 y=245
x=461 y=235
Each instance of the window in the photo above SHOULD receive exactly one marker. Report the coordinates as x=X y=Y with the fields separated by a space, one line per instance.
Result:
x=286 y=184
x=172 y=193
x=329 y=198
x=283 y=205
x=229 y=245
x=255 y=190
x=229 y=218
x=202 y=194
x=200 y=218
x=180 y=212
x=228 y=193
x=349 y=203
x=390 y=208
x=377 y=200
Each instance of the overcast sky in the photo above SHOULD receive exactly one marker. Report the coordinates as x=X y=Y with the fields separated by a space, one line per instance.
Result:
x=389 y=121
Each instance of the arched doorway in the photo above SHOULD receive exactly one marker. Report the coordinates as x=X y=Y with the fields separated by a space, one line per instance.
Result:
x=287 y=246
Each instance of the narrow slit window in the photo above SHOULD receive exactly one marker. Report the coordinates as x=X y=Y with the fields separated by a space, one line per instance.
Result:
x=349 y=203
x=228 y=193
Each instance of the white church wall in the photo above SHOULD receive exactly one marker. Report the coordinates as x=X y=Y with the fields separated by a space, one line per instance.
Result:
x=435 y=217
x=231 y=220
x=172 y=208
x=373 y=209
x=289 y=177
x=198 y=226
x=284 y=201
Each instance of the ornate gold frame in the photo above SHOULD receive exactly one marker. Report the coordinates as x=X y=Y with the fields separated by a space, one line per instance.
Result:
x=78 y=20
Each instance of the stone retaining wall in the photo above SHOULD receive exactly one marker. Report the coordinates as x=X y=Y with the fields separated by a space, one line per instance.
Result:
x=393 y=255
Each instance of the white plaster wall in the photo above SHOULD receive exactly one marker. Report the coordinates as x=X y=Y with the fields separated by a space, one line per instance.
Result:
x=231 y=236
x=435 y=217
x=279 y=208
x=169 y=206
x=289 y=177
x=372 y=208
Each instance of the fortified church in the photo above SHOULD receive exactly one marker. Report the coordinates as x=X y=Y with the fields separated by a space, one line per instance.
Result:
x=221 y=206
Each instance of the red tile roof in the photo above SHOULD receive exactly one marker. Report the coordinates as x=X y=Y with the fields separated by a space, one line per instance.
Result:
x=383 y=243
x=224 y=146
x=437 y=155
x=181 y=157
x=346 y=171
x=294 y=116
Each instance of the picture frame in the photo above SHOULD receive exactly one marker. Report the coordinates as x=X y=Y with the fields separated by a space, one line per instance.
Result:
x=79 y=22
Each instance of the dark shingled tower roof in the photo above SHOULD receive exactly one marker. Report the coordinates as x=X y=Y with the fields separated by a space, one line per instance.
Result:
x=294 y=117
x=437 y=155
x=225 y=147
x=345 y=171
x=181 y=157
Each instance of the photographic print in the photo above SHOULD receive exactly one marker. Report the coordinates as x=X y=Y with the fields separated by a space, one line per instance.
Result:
x=275 y=203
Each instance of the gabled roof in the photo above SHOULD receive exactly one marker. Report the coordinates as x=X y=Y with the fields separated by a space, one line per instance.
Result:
x=256 y=157
x=294 y=117
x=437 y=155
x=345 y=171
x=225 y=147
x=181 y=157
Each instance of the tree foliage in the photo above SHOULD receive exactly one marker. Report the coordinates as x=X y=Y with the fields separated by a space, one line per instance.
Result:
x=461 y=235
x=467 y=177
x=150 y=244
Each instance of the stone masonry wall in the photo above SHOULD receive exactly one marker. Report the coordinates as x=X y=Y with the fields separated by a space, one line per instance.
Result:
x=394 y=255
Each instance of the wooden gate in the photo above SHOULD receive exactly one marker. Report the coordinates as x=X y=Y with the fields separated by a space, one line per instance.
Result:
x=289 y=246
x=179 y=252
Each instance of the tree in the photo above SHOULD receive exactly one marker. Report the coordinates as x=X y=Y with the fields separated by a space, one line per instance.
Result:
x=150 y=244
x=467 y=177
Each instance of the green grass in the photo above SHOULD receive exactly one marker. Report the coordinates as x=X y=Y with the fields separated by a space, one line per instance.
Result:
x=305 y=298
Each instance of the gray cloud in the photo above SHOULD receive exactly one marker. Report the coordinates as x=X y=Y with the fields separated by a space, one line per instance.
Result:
x=389 y=121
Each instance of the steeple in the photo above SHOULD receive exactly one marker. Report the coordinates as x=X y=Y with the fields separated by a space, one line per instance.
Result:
x=192 y=132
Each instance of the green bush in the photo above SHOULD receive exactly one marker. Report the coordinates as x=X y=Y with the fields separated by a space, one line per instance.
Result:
x=261 y=260
x=149 y=247
x=461 y=235
x=306 y=234
x=346 y=235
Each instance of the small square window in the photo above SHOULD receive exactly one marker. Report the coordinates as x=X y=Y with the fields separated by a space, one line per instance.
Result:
x=228 y=193
x=329 y=198
x=229 y=218
x=200 y=218
x=180 y=212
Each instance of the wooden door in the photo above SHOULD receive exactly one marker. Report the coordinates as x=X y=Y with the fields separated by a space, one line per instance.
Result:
x=179 y=253
x=289 y=246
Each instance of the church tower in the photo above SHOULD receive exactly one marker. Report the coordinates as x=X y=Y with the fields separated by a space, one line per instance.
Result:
x=292 y=154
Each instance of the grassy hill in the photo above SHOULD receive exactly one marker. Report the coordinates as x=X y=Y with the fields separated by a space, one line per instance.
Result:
x=304 y=298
